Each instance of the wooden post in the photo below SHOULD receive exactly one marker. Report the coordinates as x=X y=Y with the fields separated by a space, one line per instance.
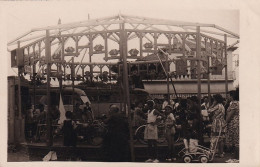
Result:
x=73 y=79
x=123 y=38
x=48 y=61
x=20 y=121
x=19 y=87
x=34 y=84
x=226 y=70
x=209 y=60
x=141 y=44
x=61 y=61
x=90 y=56
x=198 y=56
x=167 y=75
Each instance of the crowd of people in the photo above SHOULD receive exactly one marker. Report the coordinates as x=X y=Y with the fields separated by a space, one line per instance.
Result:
x=216 y=117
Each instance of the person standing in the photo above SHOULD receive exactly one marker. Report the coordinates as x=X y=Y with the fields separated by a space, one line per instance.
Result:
x=151 y=131
x=218 y=127
x=68 y=128
x=195 y=112
x=115 y=144
x=169 y=133
x=232 y=119
x=205 y=103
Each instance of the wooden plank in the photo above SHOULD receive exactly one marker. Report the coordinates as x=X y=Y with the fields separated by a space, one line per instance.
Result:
x=227 y=31
x=78 y=25
x=211 y=32
x=211 y=38
x=161 y=31
x=165 y=22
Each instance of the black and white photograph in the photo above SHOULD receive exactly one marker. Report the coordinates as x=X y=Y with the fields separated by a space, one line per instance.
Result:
x=108 y=81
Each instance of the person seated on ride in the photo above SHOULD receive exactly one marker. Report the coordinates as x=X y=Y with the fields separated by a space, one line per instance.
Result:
x=190 y=135
x=83 y=125
x=68 y=128
x=77 y=112
x=87 y=109
x=42 y=115
x=170 y=132
x=138 y=116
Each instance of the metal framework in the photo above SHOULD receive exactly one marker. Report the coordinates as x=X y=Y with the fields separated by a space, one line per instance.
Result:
x=119 y=39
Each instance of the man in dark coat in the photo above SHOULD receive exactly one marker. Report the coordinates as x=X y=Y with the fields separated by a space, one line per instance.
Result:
x=115 y=143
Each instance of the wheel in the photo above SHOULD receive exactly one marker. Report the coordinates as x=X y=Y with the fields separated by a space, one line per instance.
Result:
x=204 y=159
x=187 y=159
x=139 y=134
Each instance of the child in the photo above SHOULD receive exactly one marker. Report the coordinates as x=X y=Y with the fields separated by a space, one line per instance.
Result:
x=190 y=135
x=68 y=129
x=170 y=131
x=151 y=131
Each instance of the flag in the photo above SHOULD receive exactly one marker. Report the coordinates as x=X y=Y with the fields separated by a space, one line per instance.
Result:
x=62 y=111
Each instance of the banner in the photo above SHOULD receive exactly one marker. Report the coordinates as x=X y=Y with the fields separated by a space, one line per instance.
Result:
x=62 y=111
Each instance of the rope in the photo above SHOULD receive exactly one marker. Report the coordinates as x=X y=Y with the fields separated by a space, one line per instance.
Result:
x=166 y=73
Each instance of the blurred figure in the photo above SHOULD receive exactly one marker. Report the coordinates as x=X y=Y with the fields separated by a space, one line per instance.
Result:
x=205 y=103
x=88 y=111
x=165 y=102
x=138 y=118
x=77 y=112
x=157 y=104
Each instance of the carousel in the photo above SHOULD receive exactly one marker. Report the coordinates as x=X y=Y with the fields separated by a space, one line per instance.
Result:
x=120 y=50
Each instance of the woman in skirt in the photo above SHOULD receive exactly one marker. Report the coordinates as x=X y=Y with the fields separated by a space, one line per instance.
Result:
x=218 y=128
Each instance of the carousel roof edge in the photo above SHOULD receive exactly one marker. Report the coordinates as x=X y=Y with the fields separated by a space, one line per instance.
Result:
x=121 y=18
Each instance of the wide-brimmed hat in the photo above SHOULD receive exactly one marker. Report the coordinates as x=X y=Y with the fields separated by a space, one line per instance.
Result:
x=168 y=106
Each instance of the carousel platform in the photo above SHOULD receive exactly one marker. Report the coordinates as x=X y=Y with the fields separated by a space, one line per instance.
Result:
x=90 y=153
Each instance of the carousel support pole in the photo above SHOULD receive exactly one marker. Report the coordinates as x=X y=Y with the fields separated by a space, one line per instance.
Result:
x=48 y=60
x=198 y=56
x=208 y=81
x=209 y=60
x=20 y=121
x=19 y=88
x=60 y=64
x=73 y=79
x=90 y=57
x=34 y=84
x=167 y=75
x=123 y=38
x=226 y=70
